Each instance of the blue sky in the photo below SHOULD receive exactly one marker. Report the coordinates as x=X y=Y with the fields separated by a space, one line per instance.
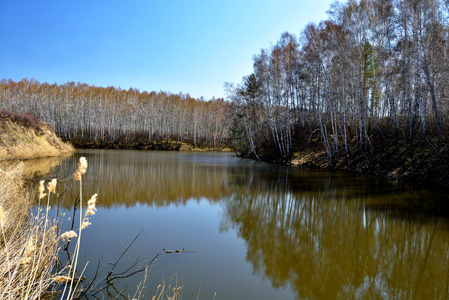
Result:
x=176 y=46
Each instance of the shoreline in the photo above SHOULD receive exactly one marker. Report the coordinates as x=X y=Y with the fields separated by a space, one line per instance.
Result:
x=145 y=144
x=417 y=165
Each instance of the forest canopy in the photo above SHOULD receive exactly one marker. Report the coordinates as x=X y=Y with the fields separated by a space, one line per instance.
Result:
x=79 y=111
x=373 y=74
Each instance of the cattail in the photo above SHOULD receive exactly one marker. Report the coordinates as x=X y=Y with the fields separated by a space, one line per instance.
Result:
x=41 y=190
x=51 y=186
x=68 y=235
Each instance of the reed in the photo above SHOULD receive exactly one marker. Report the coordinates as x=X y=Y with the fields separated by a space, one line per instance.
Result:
x=29 y=243
x=71 y=284
x=171 y=292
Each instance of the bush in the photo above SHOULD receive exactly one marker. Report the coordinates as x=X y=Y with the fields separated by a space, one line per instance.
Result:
x=27 y=119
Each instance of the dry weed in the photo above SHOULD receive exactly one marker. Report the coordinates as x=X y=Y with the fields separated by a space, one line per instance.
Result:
x=18 y=141
x=29 y=244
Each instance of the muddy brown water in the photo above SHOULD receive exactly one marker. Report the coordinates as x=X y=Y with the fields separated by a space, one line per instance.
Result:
x=260 y=231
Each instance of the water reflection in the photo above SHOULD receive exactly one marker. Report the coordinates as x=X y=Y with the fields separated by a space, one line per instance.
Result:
x=154 y=178
x=36 y=168
x=322 y=235
x=335 y=238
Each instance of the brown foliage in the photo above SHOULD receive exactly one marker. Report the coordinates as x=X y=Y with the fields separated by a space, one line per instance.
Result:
x=27 y=119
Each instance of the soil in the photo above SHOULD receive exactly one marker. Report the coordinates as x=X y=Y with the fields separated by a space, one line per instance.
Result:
x=419 y=164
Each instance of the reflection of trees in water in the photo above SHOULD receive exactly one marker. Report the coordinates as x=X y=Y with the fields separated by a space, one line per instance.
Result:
x=327 y=245
x=129 y=180
x=327 y=235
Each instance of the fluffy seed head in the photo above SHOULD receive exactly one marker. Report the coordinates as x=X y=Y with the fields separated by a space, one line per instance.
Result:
x=51 y=186
x=93 y=200
x=85 y=224
x=91 y=209
x=41 y=189
x=82 y=167
x=77 y=176
x=68 y=235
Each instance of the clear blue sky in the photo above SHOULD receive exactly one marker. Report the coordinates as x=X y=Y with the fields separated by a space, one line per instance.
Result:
x=177 y=46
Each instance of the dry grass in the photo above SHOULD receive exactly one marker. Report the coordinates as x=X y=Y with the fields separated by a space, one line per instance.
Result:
x=171 y=292
x=29 y=244
x=18 y=141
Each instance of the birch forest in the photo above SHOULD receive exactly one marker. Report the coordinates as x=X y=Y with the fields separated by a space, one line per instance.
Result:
x=83 y=113
x=373 y=74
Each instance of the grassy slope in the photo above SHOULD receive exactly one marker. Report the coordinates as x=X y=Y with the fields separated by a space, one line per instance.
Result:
x=19 y=141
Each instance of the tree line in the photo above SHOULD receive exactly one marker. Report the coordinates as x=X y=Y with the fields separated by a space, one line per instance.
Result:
x=374 y=73
x=78 y=111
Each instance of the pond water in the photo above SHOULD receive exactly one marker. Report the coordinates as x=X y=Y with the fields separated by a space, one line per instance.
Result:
x=260 y=231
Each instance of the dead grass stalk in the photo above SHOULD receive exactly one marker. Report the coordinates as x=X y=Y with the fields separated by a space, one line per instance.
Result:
x=29 y=243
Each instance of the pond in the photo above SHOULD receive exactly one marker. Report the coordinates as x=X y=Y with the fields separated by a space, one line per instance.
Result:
x=259 y=231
